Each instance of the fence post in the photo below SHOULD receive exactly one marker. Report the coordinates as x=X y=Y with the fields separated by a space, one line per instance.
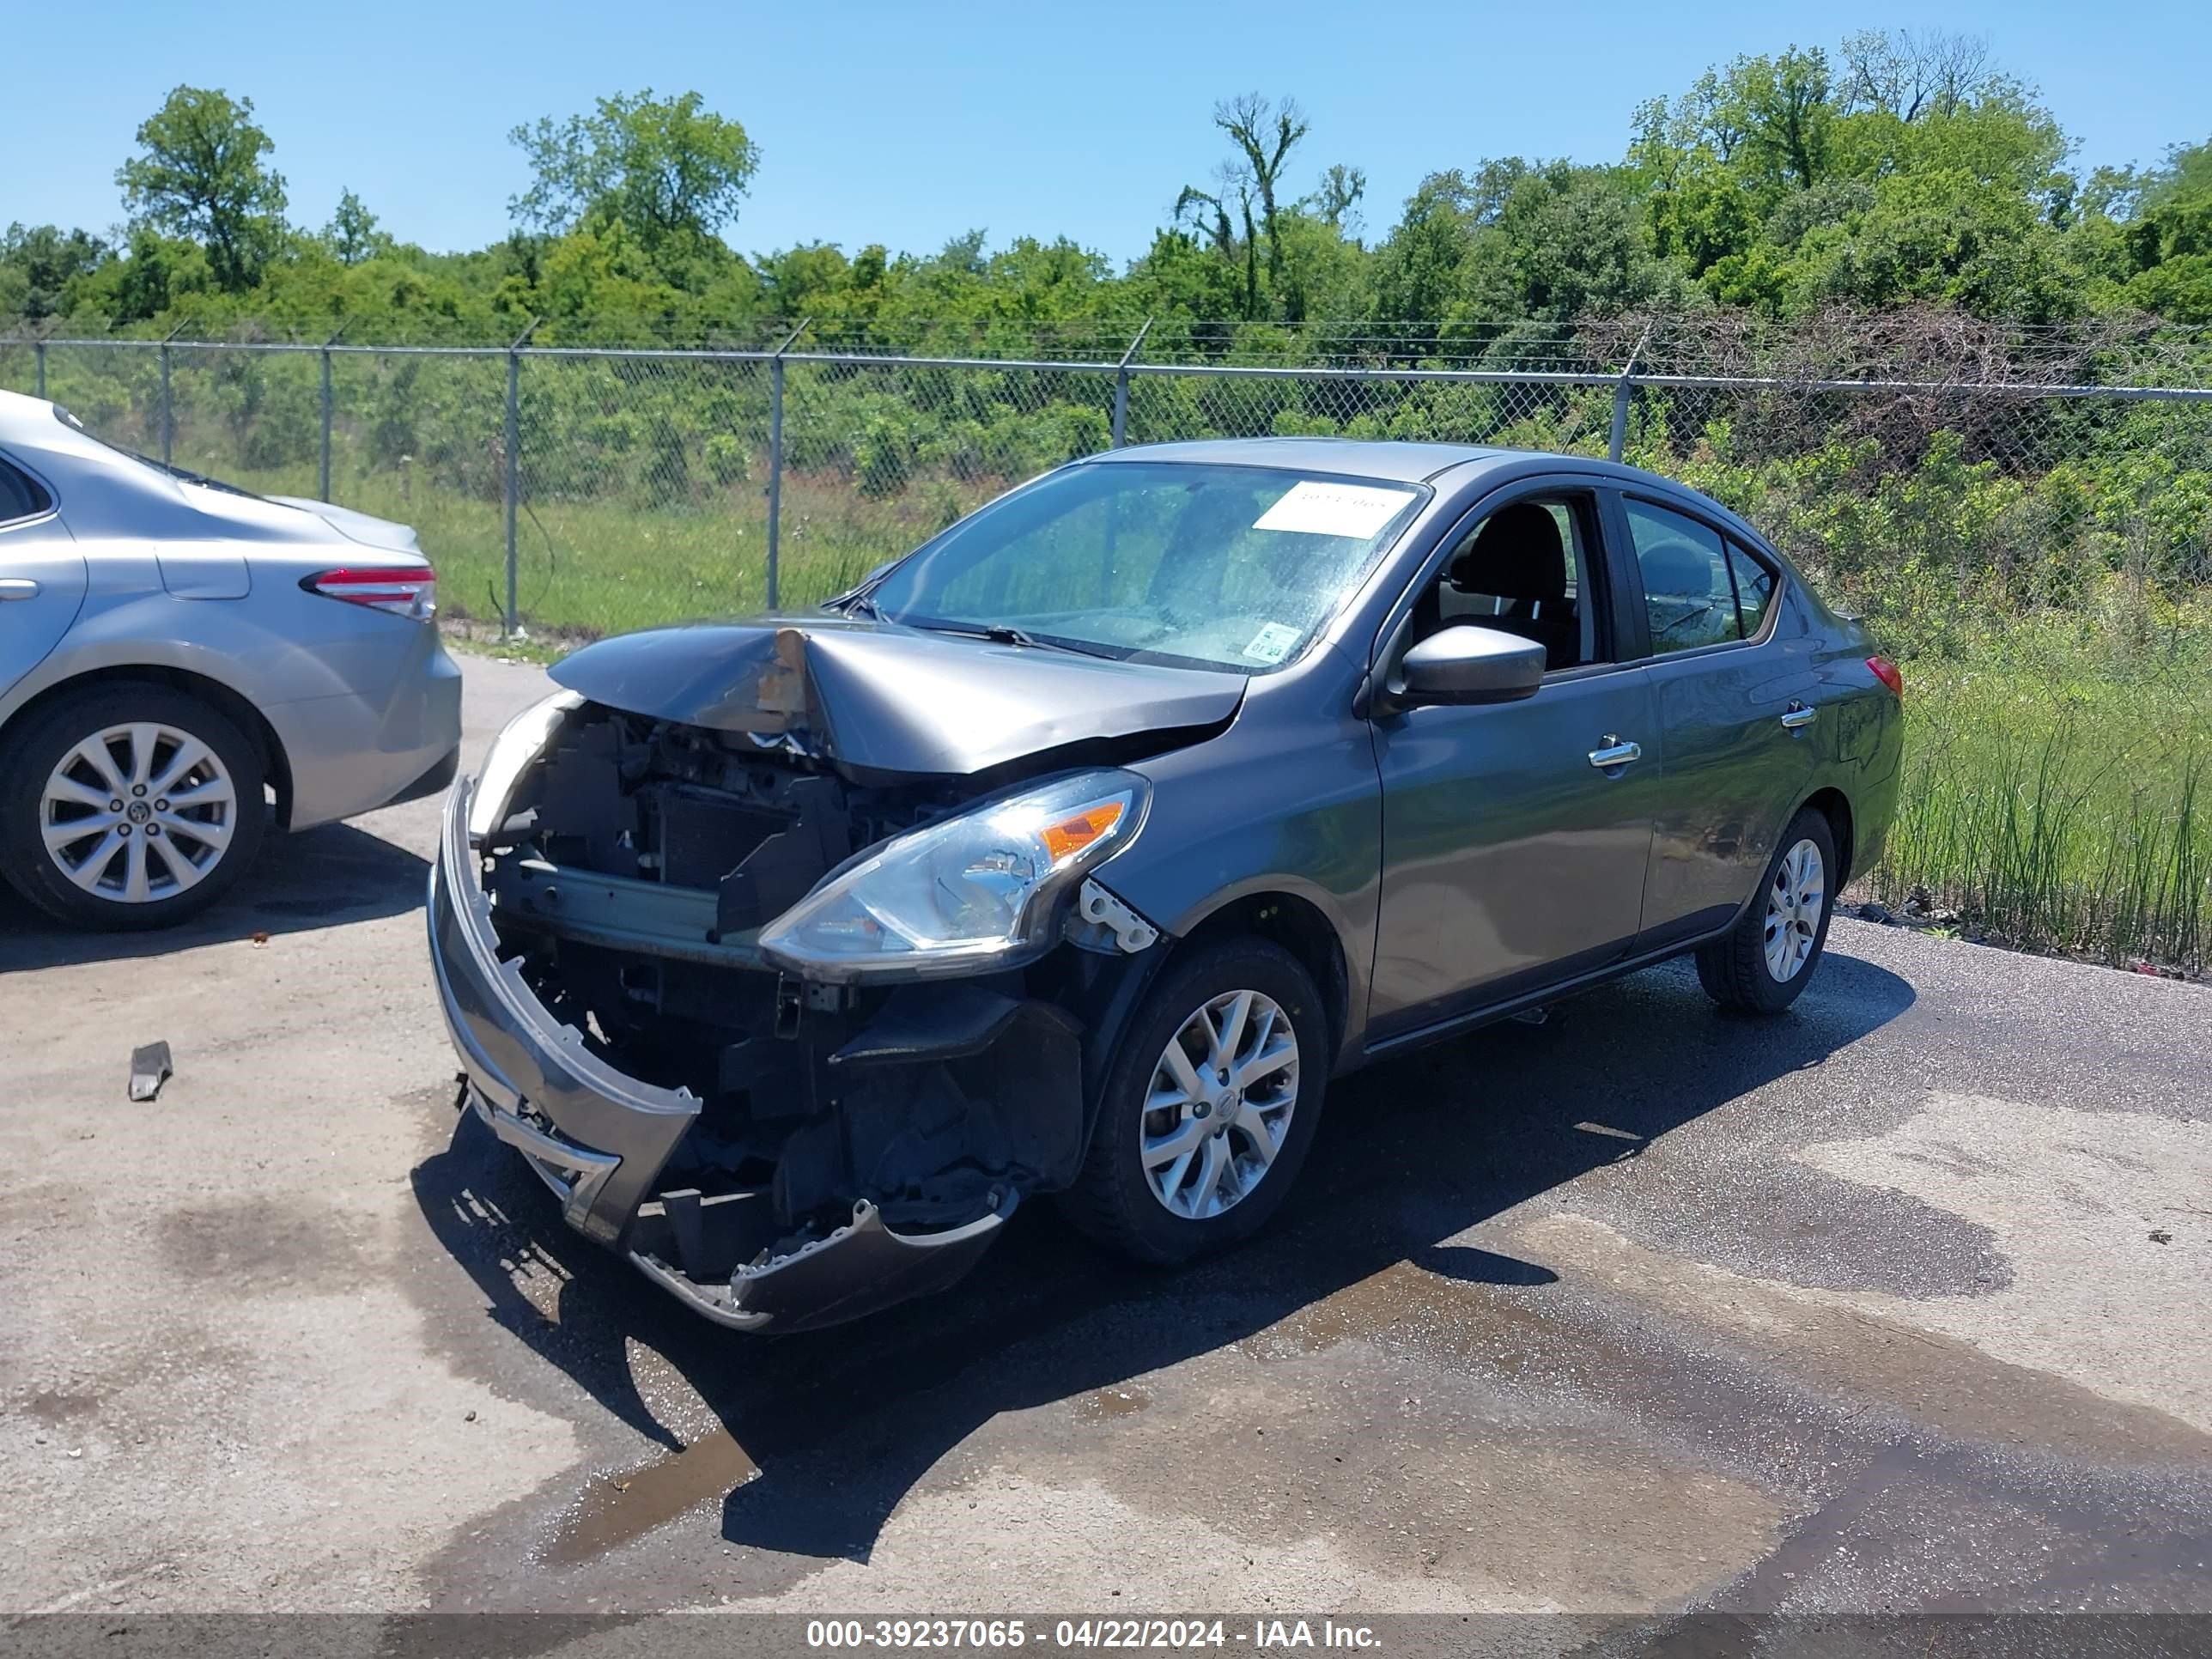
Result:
x=1623 y=389
x=1121 y=387
x=168 y=414
x=323 y=472
x=514 y=481
x=776 y=458
x=39 y=352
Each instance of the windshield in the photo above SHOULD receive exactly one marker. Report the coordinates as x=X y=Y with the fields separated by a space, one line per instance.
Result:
x=1226 y=567
x=185 y=474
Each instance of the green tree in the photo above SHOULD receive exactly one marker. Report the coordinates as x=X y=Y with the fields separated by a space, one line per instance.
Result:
x=1944 y=236
x=1417 y=269
x=1559 y=243
x=1785 y=106
x=666 y=169
x=2166 y=249
x=200 y=174
x=155 y=273
x=352 y=233
x=41 y=265
x=1244 y=213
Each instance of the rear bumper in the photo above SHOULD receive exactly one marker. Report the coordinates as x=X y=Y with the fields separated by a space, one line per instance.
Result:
x=601 y=1139
x=352 y=754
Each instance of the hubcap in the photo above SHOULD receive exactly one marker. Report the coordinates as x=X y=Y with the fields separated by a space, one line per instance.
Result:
x=1219 y=1105
x=1794 y=904
x=138 y=813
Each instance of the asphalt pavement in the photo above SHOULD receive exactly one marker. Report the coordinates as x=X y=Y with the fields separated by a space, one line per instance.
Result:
x=1902 y=1301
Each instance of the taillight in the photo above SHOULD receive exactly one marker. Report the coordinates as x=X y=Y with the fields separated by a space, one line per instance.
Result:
x=1889 y=674
x=404 y=590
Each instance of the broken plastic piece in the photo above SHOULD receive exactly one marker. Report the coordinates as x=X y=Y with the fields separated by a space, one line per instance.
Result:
x=1131 y=930
x=150 y=1067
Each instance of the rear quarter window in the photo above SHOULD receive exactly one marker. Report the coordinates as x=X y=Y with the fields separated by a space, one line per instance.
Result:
x=21 y=496
x=1754 y=588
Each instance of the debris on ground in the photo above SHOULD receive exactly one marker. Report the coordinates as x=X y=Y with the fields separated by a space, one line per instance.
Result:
x=150 y=1067
x=2159 y=1236
x=1873 y=910
x=260 y=939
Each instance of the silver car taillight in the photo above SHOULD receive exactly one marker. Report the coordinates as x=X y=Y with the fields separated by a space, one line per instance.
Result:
x=404 y=590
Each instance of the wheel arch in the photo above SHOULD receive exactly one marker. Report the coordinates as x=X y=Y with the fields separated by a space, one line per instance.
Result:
x=1300 y=926
x=233 y=706
x=1835 y=806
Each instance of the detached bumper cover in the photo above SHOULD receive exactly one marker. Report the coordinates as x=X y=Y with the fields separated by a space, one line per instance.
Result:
x=600 y=1138
x=861 y=1268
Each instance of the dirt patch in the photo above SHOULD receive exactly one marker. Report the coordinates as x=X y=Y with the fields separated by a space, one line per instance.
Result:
x=266 y=1243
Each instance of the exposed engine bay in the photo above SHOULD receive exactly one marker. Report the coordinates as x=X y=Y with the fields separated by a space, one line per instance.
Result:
x=635 y=866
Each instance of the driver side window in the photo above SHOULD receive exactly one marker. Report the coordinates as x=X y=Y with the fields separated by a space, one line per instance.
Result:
x=1525 y=569
x=1687 y=592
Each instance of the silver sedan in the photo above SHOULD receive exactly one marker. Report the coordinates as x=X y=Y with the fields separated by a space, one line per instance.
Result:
x=175 y=651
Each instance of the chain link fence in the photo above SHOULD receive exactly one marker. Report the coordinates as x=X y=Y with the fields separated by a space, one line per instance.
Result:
x=572 y=491
x=2026 y=515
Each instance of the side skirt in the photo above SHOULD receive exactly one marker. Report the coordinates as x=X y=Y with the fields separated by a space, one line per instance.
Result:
x=1491 y=1013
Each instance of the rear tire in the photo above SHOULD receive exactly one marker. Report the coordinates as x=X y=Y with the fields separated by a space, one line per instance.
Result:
x=108 y=759
x=1173 y=1171
x=1761 y=964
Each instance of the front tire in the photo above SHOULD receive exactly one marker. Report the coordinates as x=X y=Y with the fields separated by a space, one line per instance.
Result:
x=1208 y=1108
x=1760 y=965
x=129 y=806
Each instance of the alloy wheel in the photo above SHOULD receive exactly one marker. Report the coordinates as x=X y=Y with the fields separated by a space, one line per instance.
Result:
x=139 y=812
x=1794 y=905
x=1218 y=1106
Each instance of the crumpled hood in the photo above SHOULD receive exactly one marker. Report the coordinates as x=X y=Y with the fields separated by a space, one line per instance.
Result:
x=878 y=698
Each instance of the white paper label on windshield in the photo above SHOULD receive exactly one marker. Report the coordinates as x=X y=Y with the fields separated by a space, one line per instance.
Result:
x=1272 y=643
x=1315 y=508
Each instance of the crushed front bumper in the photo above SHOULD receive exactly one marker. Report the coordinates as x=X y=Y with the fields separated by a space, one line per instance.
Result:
x=601 y=1139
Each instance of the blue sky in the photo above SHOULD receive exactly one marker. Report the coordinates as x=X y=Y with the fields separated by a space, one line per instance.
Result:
x=910 y=123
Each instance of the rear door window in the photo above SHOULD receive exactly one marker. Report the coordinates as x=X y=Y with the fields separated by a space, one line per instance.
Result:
x=1688 y=592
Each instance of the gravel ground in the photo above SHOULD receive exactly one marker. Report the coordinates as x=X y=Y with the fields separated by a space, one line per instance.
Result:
x=1904 y=1301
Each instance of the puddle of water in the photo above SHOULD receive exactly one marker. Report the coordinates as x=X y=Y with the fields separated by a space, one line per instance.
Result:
x=617 y=1509
x=1104 y=1403
x=1408 y=1305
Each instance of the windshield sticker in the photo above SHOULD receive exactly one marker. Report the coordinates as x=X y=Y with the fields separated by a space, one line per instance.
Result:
x=1315 y=508
x=1272 y=643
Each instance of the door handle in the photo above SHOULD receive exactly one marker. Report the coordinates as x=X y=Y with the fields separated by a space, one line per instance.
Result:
x=1615 y=753
x=1798 y=714
x=18 y=587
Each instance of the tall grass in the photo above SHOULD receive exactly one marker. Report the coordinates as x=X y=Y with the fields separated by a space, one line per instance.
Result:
x=2055 y=793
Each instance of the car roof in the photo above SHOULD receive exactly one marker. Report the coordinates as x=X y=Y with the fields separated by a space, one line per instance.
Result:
x=1406 y=461
x=1400 y=462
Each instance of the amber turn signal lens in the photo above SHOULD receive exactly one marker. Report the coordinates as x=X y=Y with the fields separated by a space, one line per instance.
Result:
x=1072 y=836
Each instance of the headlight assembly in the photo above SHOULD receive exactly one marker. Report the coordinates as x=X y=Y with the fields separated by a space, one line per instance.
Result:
x=975 y=892
x=518 y=744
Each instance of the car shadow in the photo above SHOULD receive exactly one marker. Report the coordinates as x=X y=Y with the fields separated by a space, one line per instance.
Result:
x=841 y=1424
x=316 y=878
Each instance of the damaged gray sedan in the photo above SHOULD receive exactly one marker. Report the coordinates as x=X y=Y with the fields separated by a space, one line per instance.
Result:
x=1075 y=852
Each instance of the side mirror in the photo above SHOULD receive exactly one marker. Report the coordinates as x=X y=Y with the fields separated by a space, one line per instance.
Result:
x=1468 y=663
